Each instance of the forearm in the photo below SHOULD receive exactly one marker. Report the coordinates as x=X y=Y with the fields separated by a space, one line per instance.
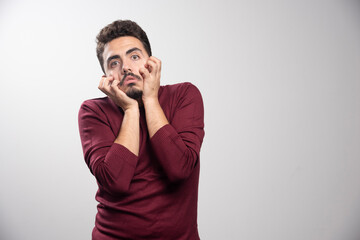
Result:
x=112 y=164
x=177 y=157
x=129 y=132
x=155 y=116
x=177 y=145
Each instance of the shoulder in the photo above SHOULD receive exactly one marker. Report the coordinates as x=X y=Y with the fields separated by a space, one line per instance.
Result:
x=98 y=105
x=96 y=101
x=180 y=90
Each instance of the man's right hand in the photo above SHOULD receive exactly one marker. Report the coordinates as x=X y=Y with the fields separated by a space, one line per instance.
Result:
x=110 y=86
x=129 y=132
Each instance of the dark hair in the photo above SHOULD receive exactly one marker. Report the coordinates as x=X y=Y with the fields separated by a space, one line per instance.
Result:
x=119 y=28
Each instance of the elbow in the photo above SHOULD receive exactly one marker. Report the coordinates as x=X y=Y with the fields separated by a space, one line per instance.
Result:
x=184 y=169
x=114 y=184
x=116 y=189
x=179 y=176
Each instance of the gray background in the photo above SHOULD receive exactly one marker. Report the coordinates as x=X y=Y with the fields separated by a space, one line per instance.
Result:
x=281 y=87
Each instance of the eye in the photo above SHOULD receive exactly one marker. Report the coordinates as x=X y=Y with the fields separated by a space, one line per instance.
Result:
x=114 y=64
x=135 y=57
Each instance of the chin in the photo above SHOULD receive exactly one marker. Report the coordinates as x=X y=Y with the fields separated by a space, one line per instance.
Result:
x=134 y=93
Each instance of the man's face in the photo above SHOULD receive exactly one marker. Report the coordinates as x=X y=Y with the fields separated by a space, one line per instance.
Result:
x=123 y=57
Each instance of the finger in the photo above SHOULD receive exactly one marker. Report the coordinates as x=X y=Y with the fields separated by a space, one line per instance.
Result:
x=120 y=94
x=115 y=85
x=101 y=83
x=107 y=83
x=144 y=72
x=115 y=76
x=152 y=66
x=110 y=80
x=115 y=82
x=156 y=60
x=155 y=64
x=147 y=66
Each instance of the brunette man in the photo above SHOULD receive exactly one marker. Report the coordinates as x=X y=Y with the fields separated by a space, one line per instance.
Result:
x=141 y=142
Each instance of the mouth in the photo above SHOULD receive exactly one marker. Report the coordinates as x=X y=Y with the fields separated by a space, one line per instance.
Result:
x=129 y=78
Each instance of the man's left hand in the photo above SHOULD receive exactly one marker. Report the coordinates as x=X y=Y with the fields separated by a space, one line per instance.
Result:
x=151 y=73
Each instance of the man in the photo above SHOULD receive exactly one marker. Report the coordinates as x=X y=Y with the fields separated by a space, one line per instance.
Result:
x=141 y=142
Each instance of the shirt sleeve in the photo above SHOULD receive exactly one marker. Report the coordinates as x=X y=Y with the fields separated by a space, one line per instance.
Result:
x=177 y=145
x=112 y=164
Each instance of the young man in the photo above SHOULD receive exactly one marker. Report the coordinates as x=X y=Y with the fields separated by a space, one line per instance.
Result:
x=141 y=143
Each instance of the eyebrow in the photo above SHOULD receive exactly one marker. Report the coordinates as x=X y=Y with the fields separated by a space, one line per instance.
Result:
x=112 y=57
x=127 y=53
x=132 y=50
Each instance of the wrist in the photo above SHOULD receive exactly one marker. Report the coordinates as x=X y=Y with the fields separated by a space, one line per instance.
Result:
x=150 y=100
x=133 y=109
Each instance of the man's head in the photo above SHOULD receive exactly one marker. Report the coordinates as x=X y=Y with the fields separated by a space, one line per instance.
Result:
x=116 y=29
x=122 y=49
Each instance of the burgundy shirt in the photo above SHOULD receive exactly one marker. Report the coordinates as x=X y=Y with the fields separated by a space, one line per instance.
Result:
x=154 y=195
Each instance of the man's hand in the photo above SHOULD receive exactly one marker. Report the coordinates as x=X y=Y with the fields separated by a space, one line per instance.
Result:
x=110 y=86
x=155 y=117
x=151 y=73
x=129 y=132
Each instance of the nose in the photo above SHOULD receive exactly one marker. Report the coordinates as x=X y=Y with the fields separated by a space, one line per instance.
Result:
x=126 y=67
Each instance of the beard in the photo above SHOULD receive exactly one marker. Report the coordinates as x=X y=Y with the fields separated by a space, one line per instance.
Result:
x=134 y=93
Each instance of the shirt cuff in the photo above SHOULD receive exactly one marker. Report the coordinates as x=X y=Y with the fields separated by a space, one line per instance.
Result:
x=119 y=154
x=163 y=134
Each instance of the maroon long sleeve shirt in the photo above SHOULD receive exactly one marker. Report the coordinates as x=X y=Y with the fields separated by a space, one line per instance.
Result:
x=153 y=195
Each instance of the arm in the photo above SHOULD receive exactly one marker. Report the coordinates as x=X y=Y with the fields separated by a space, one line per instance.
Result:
x=176 y=145
x=111 y=158
x=155 y=117
x=112 y=164
x=130 y=130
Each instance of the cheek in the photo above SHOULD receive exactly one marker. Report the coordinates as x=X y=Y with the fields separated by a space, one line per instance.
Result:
x=140 y=64
x=115 y=72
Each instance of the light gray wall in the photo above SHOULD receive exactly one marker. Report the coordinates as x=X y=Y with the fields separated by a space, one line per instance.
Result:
x=281 y=87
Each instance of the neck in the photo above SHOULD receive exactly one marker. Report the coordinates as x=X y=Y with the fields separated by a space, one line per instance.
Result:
x=140 y=102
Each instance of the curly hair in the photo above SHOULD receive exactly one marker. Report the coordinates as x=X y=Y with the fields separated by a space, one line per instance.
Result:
x=119 y=28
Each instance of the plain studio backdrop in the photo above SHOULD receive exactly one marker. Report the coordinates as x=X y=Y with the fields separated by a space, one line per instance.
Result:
x=281 y=87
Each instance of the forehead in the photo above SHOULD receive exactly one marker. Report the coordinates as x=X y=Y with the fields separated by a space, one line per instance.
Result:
x=120 y=45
